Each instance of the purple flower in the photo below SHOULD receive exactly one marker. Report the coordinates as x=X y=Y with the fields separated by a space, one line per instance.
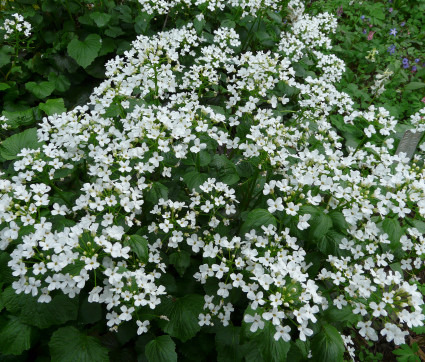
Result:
x=405 y=61
x=391 y=49
x=390 y=10
x=417 y=60
x=362 y=17
x=364 y=31
x=403 y=23
x=393 y=32
x=405 y=66
x=414 y=69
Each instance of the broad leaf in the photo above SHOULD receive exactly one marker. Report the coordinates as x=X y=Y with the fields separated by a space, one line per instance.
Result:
x=12 y=146
x=157 y=191
x=68 y=344
x=61 y=309
x=319 y=226
x=226 y=169
x=138 y=245
x=40 y=90
x=227 y=342
x=327 y=345
x=53 y=106
x=180 y=260
x=393 y=229
x=84 y=52
x=15 y=337
x=101 y=19
x=183 y=316
x=194 y=179
x=255 y=219
x=161 y=349
x=414 y=86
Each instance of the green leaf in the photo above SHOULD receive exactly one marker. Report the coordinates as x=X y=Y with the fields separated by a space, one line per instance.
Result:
x=89 y=313
x=228 y=23
x=319 y=226
x=418 y=224
x=183 y=316
x=142 y=21
x=5 y=55
x=20 y=118
x=40 y=90
x=158 y=191
x=114 y=31
x=393 y=229
x=84 y=52
x=227 y=342
x=101 y=19
x=53 y=106
x=244 y=169
x=139 y=245
x=329 y=243
x=327 y=345
x=414 y=86
x=194 y=179
x=61 y=308
x=255 y=219
x=4 y=86
x=271 y=349
x=60 y=81
x=12 y=146
x=180 y=260
x=161 y=349
x=226 y=169
x=15 y=337
x=68 y=344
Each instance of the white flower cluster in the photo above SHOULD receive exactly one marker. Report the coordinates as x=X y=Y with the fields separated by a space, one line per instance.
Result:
x=16 y=25
x=380 y=79
x=142 y=142
x=4 y=125
x=247 y=6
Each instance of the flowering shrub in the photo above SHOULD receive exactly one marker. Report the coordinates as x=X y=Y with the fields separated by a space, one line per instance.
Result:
x=208 y=187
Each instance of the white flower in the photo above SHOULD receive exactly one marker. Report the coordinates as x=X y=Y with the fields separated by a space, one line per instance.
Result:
x=275 y=205
x=302 y=221
x=282 y=332
x=256 y=321
x=143 y=327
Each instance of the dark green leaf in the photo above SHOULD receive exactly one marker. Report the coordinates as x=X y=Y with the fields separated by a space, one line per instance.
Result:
x=15 y=337
x=12 y=146
x=255 y=219
x=227 y=342
x=226 y=169
x=4 y=86
x=194 y=179
x=319 y=225
x=327 y=345
x=101 y=19
x=40 y=90
x=84 y=52
x=414 y=85
x=181 y=261
x=158 y=191
x=68 y=344
x=139 y=245
x=183 y=316
x=53 y=106
x=161 y=349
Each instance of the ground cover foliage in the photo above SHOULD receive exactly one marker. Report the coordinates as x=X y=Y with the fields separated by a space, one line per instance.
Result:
x=225 y=188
